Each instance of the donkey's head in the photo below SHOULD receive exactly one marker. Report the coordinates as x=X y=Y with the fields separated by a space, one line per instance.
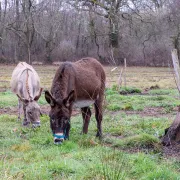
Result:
x=32 y=110
x=60 y=114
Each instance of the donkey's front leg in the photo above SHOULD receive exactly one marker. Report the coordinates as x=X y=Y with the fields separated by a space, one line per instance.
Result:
x=86 y=114
x=25 y=122
x=19 y=109
x=66 y=133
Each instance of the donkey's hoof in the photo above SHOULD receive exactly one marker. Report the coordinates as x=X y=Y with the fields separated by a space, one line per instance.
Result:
x=99 y=135
x=25 y=123
x=66 y=138
x=18 y=119
x=58 y=143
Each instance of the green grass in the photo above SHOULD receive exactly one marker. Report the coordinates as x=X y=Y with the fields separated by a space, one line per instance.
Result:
x=136 y=102
x=8 y=99
x=31 y=154
x=130 y=148
x=167 y=99
x=140 y=141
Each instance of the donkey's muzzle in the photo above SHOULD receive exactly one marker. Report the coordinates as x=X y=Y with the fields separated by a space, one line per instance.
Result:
x=36 y=124
x=58 y=138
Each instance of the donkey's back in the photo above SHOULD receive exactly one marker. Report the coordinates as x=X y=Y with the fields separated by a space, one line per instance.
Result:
x=25 y=80
x=90 y=78
x=86 y=77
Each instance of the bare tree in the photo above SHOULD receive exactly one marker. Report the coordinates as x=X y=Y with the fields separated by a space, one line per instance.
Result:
x=49 y=25
x=143 y=32
x=25 y=31
x=107 y=9
x=2 y=24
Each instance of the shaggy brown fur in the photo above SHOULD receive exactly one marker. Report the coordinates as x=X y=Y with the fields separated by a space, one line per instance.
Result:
x=83 y=80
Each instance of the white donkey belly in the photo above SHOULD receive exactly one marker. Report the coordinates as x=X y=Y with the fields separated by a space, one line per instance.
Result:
x=83 y=103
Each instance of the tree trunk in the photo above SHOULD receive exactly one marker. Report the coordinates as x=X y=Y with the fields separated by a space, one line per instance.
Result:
x=29 y=26
x=1 y=49
x=17 y=43
x=93 y=34
x=176 y=43
x=29 y=55
x=48 y=52
x=78 y=37
x=114 y=31
x=2 y=20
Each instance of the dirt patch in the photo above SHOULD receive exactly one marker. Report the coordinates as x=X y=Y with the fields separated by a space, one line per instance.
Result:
x=150 y=111
x=172 y=151
x=8 y=110
x=44 y=109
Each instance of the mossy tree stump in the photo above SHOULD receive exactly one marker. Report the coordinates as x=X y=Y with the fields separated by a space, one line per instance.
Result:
x=172 y=134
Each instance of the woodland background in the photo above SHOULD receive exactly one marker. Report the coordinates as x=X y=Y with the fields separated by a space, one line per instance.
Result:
x=142 y=31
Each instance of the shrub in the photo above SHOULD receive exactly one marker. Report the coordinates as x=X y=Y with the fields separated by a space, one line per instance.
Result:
x=129 y=90
x=4 y=59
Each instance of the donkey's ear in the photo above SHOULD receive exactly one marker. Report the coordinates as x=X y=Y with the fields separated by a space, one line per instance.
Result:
x=49 y=98
x=38 y=96
x=25 y=101
x=69 y=100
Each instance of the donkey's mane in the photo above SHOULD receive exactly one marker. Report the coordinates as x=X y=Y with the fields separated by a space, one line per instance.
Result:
x=27 y=85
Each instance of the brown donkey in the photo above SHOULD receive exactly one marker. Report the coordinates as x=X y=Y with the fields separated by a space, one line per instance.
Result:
x=78 y=84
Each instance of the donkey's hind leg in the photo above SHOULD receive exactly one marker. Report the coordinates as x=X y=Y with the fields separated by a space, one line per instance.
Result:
x=99 y=116
x=86 y=114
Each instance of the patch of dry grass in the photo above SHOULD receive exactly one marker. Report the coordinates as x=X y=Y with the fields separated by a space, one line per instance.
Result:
x=46 y=74
x=143 y=77
x=140 y=77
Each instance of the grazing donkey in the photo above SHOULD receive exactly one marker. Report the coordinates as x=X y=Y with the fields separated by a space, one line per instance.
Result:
x=78 y=84
x=25 y=83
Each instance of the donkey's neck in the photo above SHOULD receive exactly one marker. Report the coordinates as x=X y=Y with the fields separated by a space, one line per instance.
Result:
x=60 y=89
x=63 y=82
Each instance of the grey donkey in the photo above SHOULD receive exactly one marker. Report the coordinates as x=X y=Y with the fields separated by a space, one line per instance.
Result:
x=25 y=83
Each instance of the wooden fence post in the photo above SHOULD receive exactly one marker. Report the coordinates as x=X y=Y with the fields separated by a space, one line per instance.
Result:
x=176 y=67
x=120 y=79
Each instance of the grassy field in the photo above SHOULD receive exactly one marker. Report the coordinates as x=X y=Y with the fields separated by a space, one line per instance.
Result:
x=132 y=126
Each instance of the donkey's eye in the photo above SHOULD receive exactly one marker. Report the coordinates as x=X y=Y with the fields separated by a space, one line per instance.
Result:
x=30 y=113
x=66 y=120
x=52 y=120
